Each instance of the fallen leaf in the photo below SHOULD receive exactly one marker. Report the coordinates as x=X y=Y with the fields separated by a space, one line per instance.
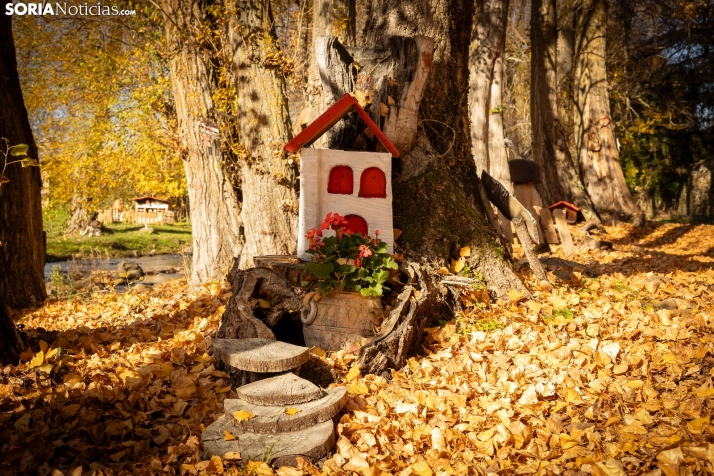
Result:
x=37 y=360
x=292 y=411
x=243 y=415
x=352 y=374
x=228 y=436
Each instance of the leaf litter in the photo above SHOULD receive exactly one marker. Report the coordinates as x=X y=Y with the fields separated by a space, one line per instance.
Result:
x=609 y=372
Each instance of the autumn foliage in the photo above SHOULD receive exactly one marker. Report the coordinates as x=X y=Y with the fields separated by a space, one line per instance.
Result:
x=609 y=372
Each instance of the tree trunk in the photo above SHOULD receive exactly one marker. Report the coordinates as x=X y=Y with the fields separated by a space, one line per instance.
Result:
x=497 y=151
x=560 y=179
x=564 y=75
x=596 y=143
x=11 y=344
x=488 y=42
x=22 y=241
x=329 y=18
x=444 y=115
x=268 y=175
x=215 y=207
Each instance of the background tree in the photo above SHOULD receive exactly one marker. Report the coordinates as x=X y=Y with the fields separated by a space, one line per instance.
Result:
x=263 y=126
x=486 y=76
x=98 y=95
x=22 y=249
x=550 y=148
x=598 y=150
x=662 y=98
x=195 y=42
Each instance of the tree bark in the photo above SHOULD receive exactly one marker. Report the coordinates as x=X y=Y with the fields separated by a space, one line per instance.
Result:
x=270 y=204
x=497 y=151
x=488 y=43
x=444 y=108
x=564 y=74
x=11 y=344
x=213 y=195
x=596 y=144
x=22 y=245
x=329 y=18
x=560 y=179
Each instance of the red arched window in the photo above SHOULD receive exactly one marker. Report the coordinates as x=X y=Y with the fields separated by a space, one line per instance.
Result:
x=341 y=180
x=356 y=224
x=373 y=183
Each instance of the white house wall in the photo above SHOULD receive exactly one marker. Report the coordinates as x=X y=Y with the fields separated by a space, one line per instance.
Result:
x=316 y=202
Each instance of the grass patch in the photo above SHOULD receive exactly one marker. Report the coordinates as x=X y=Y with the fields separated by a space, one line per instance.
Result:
x=118 y=240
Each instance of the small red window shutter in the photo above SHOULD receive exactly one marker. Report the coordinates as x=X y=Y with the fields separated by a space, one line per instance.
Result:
x=356 y=224
x=373 y=183
x=341 y=180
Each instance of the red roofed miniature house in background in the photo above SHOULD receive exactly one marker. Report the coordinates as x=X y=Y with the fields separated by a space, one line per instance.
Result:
x=357 y=185
x=571 y=211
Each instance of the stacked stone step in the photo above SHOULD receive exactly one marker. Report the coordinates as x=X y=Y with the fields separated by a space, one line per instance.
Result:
x=291 y=417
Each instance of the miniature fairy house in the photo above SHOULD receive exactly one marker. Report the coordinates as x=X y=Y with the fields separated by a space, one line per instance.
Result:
x=357 y=185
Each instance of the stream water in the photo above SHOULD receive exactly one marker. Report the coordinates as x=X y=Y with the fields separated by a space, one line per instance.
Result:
x=158 y=269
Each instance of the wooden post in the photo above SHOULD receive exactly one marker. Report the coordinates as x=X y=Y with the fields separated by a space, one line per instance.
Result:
x=546 y=221
x=564 y=232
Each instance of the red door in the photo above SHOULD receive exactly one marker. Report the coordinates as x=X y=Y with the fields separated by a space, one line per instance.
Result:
x=356 y=224
x=341 y=180
x=373 y=183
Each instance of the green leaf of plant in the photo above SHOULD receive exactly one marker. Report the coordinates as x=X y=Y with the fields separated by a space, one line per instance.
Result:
x=381 y=276
x=19 y=149
x=322 y=271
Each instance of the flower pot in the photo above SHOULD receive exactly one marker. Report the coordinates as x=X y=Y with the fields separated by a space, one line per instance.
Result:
x=340 y=318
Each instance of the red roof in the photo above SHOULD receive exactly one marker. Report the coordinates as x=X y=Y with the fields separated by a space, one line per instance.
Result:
x=154 y=199
x=564 y=204
x=329 y=118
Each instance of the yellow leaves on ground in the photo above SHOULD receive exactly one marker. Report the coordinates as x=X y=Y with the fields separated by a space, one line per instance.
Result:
x=292 y=411
x=352 y=374
x=619 y=385
x=243 y=415
x=228 y=436
x=125 y=381
x=37 y=360
x=318 y=352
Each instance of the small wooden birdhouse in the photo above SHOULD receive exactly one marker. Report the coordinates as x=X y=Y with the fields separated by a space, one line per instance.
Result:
x=357 y=185
x=571 y=211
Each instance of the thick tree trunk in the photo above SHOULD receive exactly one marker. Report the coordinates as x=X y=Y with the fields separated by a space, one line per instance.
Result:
x=560 y=179
x=215 y=207
x=597 y=147
x=268 y=175
x=22 y=245
x=439 y=188
x=11 y=344
x=444 y=108
x=497 y=152
x=488 y=42
x=564 y=75
x=329 y=18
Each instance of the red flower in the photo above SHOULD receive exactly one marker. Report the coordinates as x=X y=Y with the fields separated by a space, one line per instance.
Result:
x=358 y=263
x=364 y=251
x=376 y=232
